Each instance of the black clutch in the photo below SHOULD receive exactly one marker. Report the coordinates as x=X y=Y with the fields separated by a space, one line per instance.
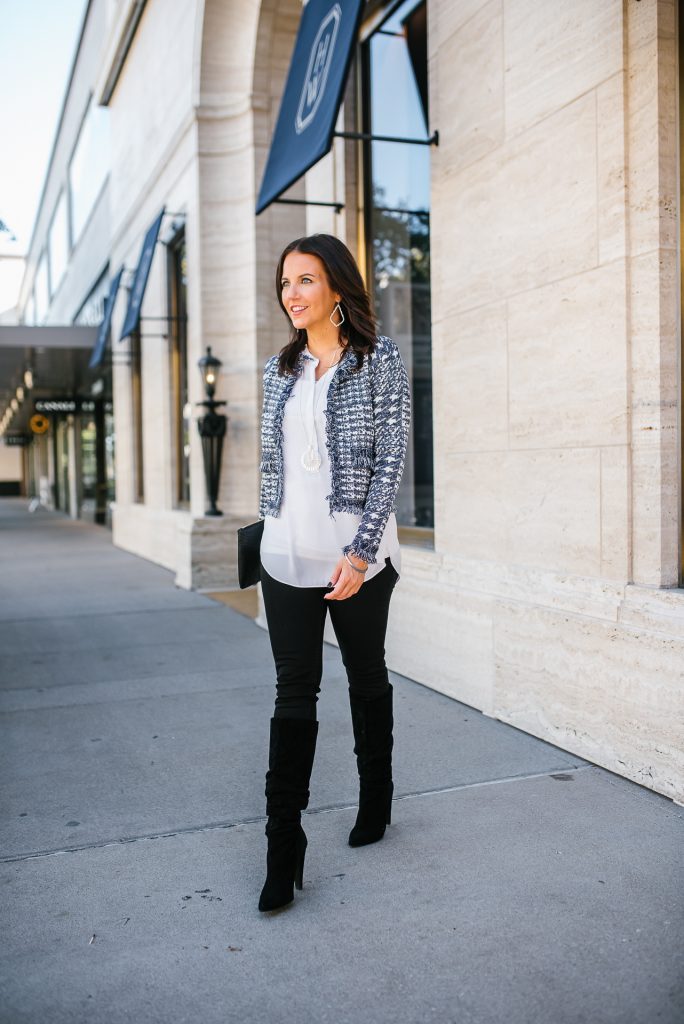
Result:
x=249 y=557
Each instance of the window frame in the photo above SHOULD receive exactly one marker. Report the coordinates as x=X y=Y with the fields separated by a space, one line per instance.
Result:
x=380 y=12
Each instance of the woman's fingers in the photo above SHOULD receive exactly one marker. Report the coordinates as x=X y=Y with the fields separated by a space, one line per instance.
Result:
x=346 y=586
x=337 y=578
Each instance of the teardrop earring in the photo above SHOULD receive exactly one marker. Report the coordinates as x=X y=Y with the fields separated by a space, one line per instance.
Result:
x=337 y=307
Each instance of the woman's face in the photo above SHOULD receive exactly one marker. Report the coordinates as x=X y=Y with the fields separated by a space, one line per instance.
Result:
x=306 y=294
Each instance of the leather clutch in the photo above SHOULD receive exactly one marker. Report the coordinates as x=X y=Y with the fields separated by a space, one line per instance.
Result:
x=249 y=557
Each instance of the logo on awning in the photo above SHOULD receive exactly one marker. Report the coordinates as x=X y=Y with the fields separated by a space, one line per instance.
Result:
x=316 y=76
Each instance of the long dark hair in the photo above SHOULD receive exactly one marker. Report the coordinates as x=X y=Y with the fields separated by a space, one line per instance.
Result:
x=359 y=327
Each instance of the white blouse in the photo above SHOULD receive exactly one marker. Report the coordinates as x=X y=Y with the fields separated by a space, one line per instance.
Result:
x=302 y=545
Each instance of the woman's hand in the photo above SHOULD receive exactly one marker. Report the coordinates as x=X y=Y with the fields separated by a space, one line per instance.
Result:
x=346 y=581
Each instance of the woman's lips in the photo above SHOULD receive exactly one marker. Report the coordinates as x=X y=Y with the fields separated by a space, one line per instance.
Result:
x=298 y=312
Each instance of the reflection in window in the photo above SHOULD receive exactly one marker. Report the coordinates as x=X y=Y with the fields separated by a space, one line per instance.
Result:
x=89 y=167
x=58 y=244
x=397 y=202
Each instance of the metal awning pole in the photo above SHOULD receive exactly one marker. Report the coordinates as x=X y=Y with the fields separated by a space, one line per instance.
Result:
x=310 y=202
x=369 y=137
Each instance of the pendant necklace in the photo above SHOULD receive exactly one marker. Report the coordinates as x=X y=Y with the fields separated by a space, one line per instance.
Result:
x=311 y=458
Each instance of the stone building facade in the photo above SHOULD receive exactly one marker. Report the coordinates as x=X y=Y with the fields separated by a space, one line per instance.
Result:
x=537 y=296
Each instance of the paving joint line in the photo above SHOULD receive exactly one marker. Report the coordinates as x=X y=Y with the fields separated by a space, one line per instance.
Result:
x=33 y=619
x=226 y=825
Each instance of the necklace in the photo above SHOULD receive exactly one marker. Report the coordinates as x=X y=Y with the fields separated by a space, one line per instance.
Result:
x=311 y=458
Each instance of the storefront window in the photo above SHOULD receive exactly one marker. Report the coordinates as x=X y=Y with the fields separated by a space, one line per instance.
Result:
x=58 y=244
x=179 y=367
x=88 y=465
x=89 y=167
x=63 y=492
x=397 y=226
x=136 y=394
x=109 y=455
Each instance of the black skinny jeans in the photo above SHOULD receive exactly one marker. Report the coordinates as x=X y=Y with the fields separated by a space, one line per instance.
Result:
x=296 y=620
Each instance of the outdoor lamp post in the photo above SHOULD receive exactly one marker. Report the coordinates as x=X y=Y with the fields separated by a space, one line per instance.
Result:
x=212 y=428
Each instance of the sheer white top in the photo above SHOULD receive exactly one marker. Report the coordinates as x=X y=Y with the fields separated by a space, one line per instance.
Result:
x=302 y=545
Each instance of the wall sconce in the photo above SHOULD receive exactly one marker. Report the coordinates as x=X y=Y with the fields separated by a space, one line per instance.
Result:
x=212 y=428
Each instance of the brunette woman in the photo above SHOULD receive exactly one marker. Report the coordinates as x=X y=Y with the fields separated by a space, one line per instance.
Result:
x=334 y=433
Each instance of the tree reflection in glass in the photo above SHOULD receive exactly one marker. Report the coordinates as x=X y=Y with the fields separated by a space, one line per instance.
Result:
x=398 y=225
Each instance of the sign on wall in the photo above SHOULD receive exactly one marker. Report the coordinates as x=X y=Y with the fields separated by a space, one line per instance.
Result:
x=66 y=405
x=39 y=423
x=56 y=404
x=313 y=93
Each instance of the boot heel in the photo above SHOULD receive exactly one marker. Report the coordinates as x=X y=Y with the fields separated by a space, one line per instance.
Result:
x=389 y=812
x=299 y=869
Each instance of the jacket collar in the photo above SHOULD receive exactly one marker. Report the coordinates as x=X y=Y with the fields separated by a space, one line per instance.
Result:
x=346 y=363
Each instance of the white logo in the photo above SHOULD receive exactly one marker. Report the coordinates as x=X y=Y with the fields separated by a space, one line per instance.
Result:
x=317 y=71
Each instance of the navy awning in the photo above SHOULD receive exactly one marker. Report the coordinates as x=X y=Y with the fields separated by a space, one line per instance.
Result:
x=142 y=272
x=103 y=333
x=313 y=93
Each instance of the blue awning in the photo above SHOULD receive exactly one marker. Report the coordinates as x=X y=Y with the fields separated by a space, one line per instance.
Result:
x=103 y=333
x=142 y=272
x=313 y=93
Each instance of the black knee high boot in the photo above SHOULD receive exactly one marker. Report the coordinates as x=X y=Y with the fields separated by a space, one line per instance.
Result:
x=373 y=722
x=291 y=754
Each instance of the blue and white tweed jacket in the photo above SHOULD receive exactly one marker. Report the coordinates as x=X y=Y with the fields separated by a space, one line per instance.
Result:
x=368 y=416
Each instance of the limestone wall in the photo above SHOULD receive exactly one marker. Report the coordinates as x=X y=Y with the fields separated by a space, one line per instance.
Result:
x=555 y=384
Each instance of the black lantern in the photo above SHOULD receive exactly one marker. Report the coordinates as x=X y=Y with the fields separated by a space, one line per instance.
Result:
x=209 y=366
x=212 y=428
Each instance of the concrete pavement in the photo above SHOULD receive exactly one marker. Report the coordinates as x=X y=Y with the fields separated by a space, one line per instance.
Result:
x=518 y=884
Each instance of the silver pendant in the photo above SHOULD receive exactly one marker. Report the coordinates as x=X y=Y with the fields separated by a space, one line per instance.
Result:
x=311 y=460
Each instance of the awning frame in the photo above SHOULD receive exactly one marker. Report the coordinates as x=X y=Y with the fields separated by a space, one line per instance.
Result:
x=363 y=137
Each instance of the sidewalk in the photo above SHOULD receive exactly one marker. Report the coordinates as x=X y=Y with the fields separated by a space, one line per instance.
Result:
x=517 y=884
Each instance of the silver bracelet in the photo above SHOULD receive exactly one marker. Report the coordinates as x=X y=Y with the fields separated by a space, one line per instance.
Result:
x=354 y=566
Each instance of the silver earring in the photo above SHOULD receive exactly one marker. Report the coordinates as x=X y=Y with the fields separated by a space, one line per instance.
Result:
x=337 y=307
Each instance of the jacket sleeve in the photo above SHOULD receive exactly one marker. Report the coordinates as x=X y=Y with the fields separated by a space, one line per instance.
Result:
x=266 y=453
x=392 y=417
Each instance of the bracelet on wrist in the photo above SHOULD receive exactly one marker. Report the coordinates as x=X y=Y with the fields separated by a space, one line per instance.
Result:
x=355 y=567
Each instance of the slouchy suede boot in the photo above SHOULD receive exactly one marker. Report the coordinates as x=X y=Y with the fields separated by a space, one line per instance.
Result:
x=291 y=753
x=373 y=722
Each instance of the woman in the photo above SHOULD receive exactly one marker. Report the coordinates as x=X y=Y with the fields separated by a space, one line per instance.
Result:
x=334 y=432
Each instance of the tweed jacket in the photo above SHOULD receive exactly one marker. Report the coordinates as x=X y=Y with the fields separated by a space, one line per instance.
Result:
x=367 y=418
